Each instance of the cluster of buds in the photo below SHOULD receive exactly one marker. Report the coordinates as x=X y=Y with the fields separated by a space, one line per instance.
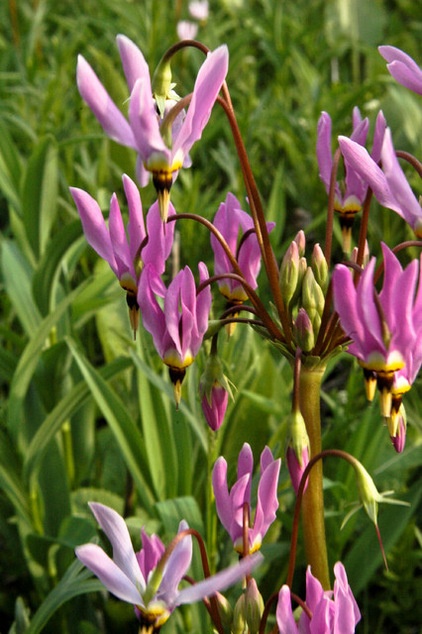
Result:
x=303 y=289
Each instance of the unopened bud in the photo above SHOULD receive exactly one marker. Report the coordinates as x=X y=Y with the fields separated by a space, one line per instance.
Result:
x=320 y=267
x=214 y=390
x=298 y=449
x=254 y=607
x=289 y=273
x=304 y=331
x=312 y=299
x=225 y=612
x=161 y=84
x=300 y=240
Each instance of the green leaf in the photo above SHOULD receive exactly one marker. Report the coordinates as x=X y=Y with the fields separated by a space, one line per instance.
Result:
x=10 y=480
x=46 y=276
x=75 y=582
x=125 y=431
x=39 y=196
x=63 y=411
x=17 y=275
x=28 y=362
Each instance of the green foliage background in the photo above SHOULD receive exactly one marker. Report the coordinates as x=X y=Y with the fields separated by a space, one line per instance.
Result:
x=86 y=412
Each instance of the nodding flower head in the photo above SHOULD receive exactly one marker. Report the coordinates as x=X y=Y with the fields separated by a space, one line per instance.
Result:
x=403 y=68
x=385 y=328
x=126 y=249
x=161 y=139
x=177 y=324
x=235 y=506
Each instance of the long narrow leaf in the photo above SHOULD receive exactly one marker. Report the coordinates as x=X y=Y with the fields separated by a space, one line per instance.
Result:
x=126 y=433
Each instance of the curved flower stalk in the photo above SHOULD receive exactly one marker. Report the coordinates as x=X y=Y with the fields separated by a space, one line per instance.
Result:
x=162 y=144
x=403 y=68
x=178 y=327
x=351 y=192
x=126 y=249
x=237 y=228
x=231 y=506
x=328 y=612
x=389 y=184
x=150 y=579
x=385 y=328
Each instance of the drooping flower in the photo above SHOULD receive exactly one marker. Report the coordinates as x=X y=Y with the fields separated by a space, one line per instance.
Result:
x=146 y=579
x=162 y=142
x=385 y=328
x=389 y=184
x=231 y=505
x=350 y=193
x=178 y=327
x=333 y=612
x=126 y=249
x=403 y=68
x=237 y=228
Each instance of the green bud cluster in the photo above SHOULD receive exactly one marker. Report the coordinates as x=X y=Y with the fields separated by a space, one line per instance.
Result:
x=248 y=610
x=303 y=288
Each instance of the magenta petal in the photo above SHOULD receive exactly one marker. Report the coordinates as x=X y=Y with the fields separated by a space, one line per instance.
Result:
x=285 y=619
x=152 y=314
x=150 y=554
x=221 y=492
x=94 y=226
x=105 y=110
x=110 y=575
x=144 y=123
x=403 y=68
x=119 y=239
x=323 y=149
x=134 y=64
x=267 y=503
x=136 y=225
x=208 y=83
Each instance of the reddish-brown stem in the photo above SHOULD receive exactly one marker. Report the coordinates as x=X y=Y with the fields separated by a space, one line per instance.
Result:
x=417 y=165
x=259 y=219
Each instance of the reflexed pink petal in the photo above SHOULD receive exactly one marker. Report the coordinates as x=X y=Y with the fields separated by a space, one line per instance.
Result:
x=323 y=149
x=176 y=567
x=220 y=581
x=285 y=619
x=403 y=68
x=145 y=125
x=94 y=226
x=105 y=110
x=117 y=532
x=221 y=492
x=267 y=501
x=208 y=83
x=136 y=225
x=150 y=554
x=119 y=239
x=110 y=575
x=134 y=64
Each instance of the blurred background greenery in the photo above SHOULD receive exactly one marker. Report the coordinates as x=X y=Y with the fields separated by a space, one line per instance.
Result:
x=86 y=413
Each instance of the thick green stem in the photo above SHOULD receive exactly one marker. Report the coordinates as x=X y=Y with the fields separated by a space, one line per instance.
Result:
x=313 y=500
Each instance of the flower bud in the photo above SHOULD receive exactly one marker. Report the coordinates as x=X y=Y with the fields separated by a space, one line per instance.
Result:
x=289 y=273
x=161 y=84
x=304 y=331
x=312 y=299
x=214 y=390
x=320 y=267
x=300 y=240
x=298 y=449
x=225 y=612
x=248 y=610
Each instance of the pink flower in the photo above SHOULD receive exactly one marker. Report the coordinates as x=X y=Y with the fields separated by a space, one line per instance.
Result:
x=385 y=328
x=389 y=184
x=179 y=325
x=403 y=68
x=142 y=578
x=349 y=195
x=126 y=249
x=230 y=505
x=162 y=144
x=237 y=228
x=332 y=612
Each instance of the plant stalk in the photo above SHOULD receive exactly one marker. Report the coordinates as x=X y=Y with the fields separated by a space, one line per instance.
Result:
x=313 y=499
